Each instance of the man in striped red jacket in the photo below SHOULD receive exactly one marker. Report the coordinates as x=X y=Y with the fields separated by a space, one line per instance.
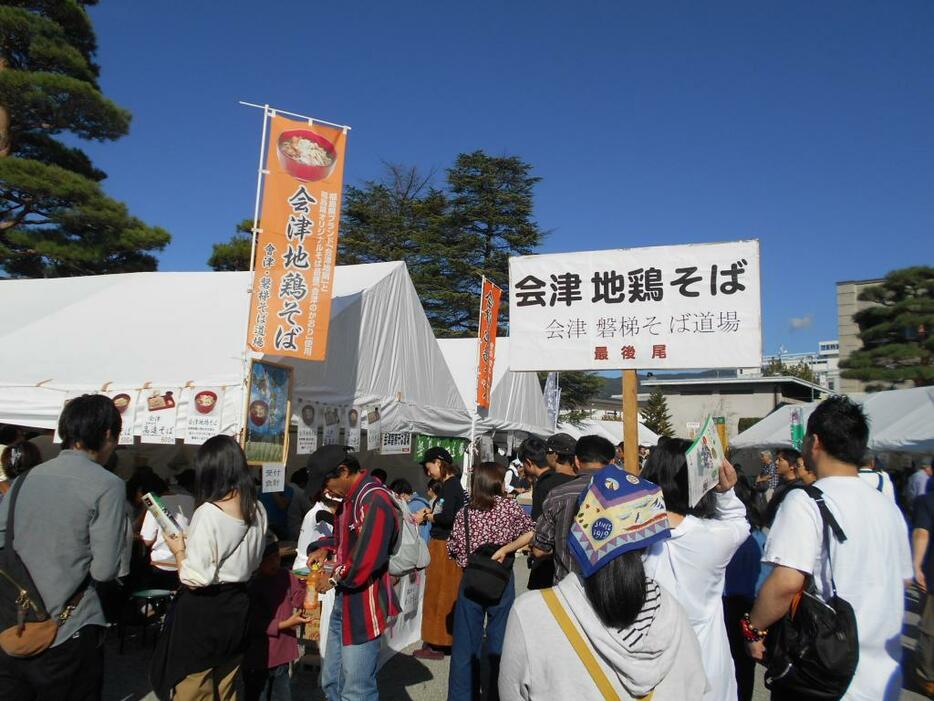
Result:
x=365 y=529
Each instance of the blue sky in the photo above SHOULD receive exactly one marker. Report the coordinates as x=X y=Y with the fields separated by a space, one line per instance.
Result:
x=807 y=125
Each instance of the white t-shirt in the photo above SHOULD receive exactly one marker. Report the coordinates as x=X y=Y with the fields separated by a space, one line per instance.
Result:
x=880 y=481
x=691 y=565
x=181 y=507
x=312 y=530
x=221 y=548
x=869 y=570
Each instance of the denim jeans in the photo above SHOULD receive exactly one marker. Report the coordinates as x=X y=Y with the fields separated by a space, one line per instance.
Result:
x=473 y=663
x=348 y=672
x=268 y=684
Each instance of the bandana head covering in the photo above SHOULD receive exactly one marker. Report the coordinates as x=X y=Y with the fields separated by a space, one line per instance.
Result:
x=617 y=513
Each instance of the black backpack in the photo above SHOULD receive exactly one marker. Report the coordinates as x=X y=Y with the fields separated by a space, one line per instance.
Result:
x=813 y=651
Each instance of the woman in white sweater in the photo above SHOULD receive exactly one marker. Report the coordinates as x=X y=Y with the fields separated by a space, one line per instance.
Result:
x=612 y=632
x=692 y=563
x=198 y=654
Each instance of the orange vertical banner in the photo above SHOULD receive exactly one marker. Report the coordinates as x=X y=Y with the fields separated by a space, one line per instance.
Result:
x=290 y=306
x=490 y=296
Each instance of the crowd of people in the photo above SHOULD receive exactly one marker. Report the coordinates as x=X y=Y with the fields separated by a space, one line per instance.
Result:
x=633 y=590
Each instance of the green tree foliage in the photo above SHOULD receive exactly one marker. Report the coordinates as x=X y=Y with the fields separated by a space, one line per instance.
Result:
x=449 y=237
x=655 y=414
x=235 y=253
x=896 y=331
x=54 y=217
x=777 y=368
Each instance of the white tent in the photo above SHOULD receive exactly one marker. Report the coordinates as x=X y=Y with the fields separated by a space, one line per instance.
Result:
x=611 y=430
x=900 y=420
x=516 y=402
x=175 y=329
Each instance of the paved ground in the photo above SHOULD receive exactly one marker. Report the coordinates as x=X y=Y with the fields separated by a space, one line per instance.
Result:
x=401 y=679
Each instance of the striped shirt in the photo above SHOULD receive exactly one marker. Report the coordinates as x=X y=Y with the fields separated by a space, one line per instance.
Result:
x=553 y=526
x=365 y=529
x=638 y=629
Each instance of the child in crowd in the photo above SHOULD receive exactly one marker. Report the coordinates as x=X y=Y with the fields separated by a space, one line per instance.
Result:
x=275 y=593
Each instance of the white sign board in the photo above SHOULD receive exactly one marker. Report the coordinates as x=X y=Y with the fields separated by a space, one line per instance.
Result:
x=273 y=477
x=353 y=428
x=396 y=444
x=663 y=307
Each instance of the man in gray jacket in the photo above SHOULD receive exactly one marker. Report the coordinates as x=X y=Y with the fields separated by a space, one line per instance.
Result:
x=71 y=532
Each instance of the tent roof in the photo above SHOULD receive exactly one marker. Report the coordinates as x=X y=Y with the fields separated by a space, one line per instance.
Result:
x=611 y=430
x=170 y=329
x=900 y=420
x=516 y=402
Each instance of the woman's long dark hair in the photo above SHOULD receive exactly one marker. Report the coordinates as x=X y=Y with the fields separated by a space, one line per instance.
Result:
x=487 y=484
x=617 y=590
x=668 y=468
x=220 y=468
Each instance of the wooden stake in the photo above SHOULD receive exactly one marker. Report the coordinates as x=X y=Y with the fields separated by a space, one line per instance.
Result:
x=631 y=421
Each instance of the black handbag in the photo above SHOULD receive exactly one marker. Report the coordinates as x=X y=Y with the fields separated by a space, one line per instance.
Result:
x=485 y=579
x=813 y=651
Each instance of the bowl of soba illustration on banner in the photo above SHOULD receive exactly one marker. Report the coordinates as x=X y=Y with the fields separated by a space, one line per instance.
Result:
x=305 y=155
x=259 y=412
x=205 y=401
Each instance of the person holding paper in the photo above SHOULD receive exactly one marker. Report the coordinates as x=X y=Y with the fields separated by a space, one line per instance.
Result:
x=199 y=652
x=692 y=563
x=163 y=572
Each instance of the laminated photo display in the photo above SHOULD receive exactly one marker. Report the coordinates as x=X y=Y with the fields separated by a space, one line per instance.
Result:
x=704 y=458
x=332 y=425
x=163 y=516
x=307 y=428
x=353 y=428
x=373 y=440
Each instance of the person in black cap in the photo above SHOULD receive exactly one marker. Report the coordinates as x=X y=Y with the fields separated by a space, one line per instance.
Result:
x=559 y=452
x=364 y=531
x=443 y=574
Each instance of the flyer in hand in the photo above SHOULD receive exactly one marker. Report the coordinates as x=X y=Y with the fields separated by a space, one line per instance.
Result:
x=704 y=458
x=164 y=518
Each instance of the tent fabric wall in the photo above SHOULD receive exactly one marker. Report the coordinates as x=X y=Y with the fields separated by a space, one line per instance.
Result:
x=171 y=329
x=900 y=420
x=516 y=402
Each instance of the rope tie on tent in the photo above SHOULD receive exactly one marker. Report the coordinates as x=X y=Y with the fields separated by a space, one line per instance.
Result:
x=39 y=384
x=106 y=385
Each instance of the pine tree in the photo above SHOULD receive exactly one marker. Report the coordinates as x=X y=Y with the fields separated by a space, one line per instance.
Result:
x=235 y=253
x=655 y=414
x=54 y=217
x=898 y=344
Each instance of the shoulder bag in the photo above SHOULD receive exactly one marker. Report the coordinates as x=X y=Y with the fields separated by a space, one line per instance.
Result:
x=485 y=579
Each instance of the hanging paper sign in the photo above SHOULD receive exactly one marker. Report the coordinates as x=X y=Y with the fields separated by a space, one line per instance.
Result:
x=307 y=429
x=125 y=401
x=205 y=411
x=159 y=409
x=273 y=477
x=332 y=425
x=490 y=296
x=290 y=305
x=704 y=458
x=353 y=428
x=664 y=307
x=396 y=444
x=457 y=447
x=373 y=441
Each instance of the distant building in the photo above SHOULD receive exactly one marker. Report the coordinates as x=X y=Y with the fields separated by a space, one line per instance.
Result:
x=848 y=304
x=691 y=400
x=824 y=364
